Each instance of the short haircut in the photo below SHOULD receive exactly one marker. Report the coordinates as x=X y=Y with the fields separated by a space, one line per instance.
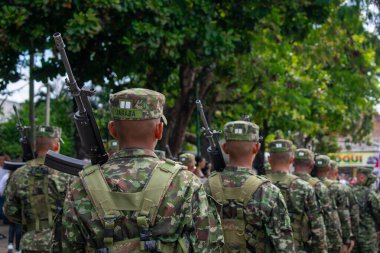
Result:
x=281 y=158
x=303 y=162
x=240 y=148
x=45 y=143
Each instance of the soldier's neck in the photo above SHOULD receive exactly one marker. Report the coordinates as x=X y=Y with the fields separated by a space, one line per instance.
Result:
x=280 y=168
x=322 y=174
x=238 y=162
x=301 y=170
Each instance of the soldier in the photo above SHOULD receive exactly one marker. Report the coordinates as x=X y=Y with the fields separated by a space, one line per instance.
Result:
x=136 y=202
x=322 y=167
x=305 y=216
x=369 y=204
x=303 y=165
x=253 y=211
x=160 y=154
x=349 y=216
x=112 y=147
x=188 y=160
x=35 y=195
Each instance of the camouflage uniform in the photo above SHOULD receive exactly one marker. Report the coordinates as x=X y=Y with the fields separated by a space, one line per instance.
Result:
x=35 y=195
x=324 y=202
x=184 y=212
x=354 y=210
x=369 y=204
x=334 y=230
x=267 y=223
x=343 y=204
x=307 y=222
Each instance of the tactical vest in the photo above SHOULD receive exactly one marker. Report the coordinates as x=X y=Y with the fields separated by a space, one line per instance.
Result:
x=146 y=203
x=42 y=215
x=234 y=227
x=300 y=221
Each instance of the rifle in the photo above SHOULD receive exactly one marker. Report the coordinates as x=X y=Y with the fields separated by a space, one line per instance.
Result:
x=214 y=150
x=84 y=119
x=27 y=150
x=169 y=152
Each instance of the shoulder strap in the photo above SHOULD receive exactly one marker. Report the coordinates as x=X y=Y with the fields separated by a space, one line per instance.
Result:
x=329 y=183
x=313 y=181
x=290 y=179
x=250 y=186
x=216 y=187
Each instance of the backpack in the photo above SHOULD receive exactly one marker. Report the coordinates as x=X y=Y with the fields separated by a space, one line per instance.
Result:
x=145 y=204
x=300 y=221
x=234 y=227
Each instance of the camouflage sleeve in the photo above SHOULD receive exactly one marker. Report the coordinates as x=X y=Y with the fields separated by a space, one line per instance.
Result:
x=318 y=230
x=332 y=223
x=344 y=213
x=374 y=201
x=12 y=205
x=276 y=221
x=208 y=236
x=73 y=230
x=354 y=212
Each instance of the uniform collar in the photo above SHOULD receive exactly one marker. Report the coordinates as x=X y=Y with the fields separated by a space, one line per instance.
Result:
x=304 y=176
x=277 y=172
x=133 y=152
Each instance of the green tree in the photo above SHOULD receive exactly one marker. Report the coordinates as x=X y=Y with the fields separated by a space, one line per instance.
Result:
x=164 y=45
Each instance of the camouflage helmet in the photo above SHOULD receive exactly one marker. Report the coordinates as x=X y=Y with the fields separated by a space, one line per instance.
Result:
x=113 y=145
x=280 y=146
x=137 y=104
x=241 y=131
x=187 y=158
x=49 y=131
x=322 y=161
x=303 y=154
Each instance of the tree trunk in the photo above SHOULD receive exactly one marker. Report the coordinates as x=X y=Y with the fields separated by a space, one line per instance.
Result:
x=181 y=114
x=32 y=118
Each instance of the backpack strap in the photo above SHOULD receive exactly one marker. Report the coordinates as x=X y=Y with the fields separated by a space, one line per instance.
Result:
x=108 y=204
x=216 y=187
x=250 y=186
x=313 y=181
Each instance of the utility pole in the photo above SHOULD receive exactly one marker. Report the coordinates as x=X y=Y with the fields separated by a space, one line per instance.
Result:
x=47 y=109
x=31 y=99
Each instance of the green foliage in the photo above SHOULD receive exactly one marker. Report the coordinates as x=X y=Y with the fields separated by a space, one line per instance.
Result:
x=61 y=115
x=305 y=67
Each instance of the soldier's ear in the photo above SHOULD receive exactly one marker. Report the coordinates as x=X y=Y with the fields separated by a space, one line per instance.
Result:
x=112 y=130
x=56 y=146
x=225 y=147
x=159 y=130
x=256 y=147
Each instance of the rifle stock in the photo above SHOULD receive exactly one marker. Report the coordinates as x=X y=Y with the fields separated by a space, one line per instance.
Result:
x=214 y=151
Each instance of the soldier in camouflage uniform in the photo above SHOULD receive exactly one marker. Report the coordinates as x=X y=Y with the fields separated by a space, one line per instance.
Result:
x=112 y=147
x=369 y=204
x=334 y=230
x=253 y=211
x=188 y=160
x=352 y=208
x=35 y=195
x=303 y=165
x=136 y=202
x=308 y=227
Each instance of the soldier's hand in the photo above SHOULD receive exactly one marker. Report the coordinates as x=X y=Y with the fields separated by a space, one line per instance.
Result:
x=344 y=248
